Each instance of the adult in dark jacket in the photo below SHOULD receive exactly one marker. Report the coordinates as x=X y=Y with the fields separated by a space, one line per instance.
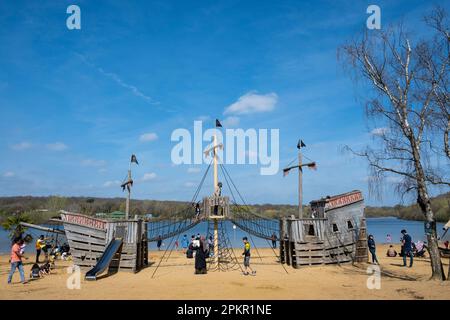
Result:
x=372 y=249
x=407 y=248
x=200 y=257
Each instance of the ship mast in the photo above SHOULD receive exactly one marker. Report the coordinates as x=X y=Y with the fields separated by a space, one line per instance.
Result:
x=300 y=165
x=300 y=185
x=127 y=204
x=127 y=185
x=216 y=193
x=216 y=174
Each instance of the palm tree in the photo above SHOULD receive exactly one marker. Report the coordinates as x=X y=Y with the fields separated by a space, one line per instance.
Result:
x=12 y=224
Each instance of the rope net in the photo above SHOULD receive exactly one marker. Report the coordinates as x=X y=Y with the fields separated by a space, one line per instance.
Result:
x=241 y=215
x=227 y=258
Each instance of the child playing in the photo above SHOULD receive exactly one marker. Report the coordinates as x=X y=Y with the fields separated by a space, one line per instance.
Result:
x=246 y=255
x=35 y=272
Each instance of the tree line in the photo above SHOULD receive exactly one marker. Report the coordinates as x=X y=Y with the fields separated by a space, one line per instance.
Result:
x=40 y=209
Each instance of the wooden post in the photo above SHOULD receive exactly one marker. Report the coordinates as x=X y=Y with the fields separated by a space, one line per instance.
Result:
x=216 y=176
x=216 y=243
x=362 y=254
x=127 y=205
x=300 y=185
x=282 y=244
x=216 y=187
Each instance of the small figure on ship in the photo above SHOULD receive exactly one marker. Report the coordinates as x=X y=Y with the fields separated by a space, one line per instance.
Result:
x=217 y=194
x=197 y=210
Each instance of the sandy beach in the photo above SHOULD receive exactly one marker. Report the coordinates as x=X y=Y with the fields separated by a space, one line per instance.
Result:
x=175 y=279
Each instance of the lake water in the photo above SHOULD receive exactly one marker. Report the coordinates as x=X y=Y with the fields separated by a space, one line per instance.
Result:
x=378 y=227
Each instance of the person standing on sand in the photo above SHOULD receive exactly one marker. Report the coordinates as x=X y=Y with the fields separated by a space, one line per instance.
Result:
x=407 y=248
x=274 y=240
x=159 y=243
x=184 y=242
x=246 y=255
x=200 y=257
x=41 y=245
x=16 y=261
x=372 y=249
x=211 y=246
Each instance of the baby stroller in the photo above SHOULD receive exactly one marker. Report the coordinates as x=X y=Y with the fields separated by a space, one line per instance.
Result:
x=419 y=249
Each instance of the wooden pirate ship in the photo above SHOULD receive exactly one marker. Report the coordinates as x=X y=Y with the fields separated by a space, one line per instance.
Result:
x=334 y=233
x=102 y=244
x=89 y=239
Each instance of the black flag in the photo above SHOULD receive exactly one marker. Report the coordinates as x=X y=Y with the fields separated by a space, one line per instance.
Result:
x=134 y=159
x=218 y=124
x=300 y=144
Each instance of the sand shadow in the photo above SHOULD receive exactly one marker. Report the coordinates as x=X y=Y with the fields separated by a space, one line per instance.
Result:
x=397 y=265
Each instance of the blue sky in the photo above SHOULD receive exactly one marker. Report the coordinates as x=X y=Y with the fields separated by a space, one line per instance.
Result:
x=75 y=104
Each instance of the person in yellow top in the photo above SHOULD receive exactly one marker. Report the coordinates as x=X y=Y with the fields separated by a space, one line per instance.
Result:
x=41 y=245
x=246 y=255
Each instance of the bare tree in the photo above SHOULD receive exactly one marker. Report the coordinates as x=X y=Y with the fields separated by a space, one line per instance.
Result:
x=406 y=99
x=435 y=62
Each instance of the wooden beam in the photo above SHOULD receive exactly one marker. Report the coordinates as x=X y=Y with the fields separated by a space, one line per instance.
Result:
x=34 y=226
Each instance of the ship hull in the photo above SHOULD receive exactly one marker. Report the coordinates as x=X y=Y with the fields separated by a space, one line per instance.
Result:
x=88 y=238
x=337 y=236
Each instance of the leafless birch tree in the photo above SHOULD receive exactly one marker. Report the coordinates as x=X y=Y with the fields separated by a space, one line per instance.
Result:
x=407 y=102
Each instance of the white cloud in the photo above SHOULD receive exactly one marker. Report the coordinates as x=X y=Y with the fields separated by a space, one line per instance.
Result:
x=9 y=174
x=133 y=89
x=231 y=122
x=102 y=170
x=149 y=176
x=252 y=102
x=114 y=183
x=148 y=137
x=379 y=131
x=93 y=163
x=22 y=146
x=193 y=170
x=57 y=146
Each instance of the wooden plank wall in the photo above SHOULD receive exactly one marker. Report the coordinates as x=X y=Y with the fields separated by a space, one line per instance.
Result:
x=135 y=243
x=88 y=244
x=362 y=249
x=326 y=247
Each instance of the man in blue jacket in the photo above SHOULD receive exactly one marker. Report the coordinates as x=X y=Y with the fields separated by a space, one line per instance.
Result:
x=185 y=242
x=407 y=248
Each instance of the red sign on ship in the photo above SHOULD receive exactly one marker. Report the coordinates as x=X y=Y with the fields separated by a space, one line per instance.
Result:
x=344 y=200
x=84 y=220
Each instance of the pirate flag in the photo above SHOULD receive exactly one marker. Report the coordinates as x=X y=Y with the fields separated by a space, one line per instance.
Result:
x=134 y=159
x=218 y=124
x=300 y=144
x=312 y=166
